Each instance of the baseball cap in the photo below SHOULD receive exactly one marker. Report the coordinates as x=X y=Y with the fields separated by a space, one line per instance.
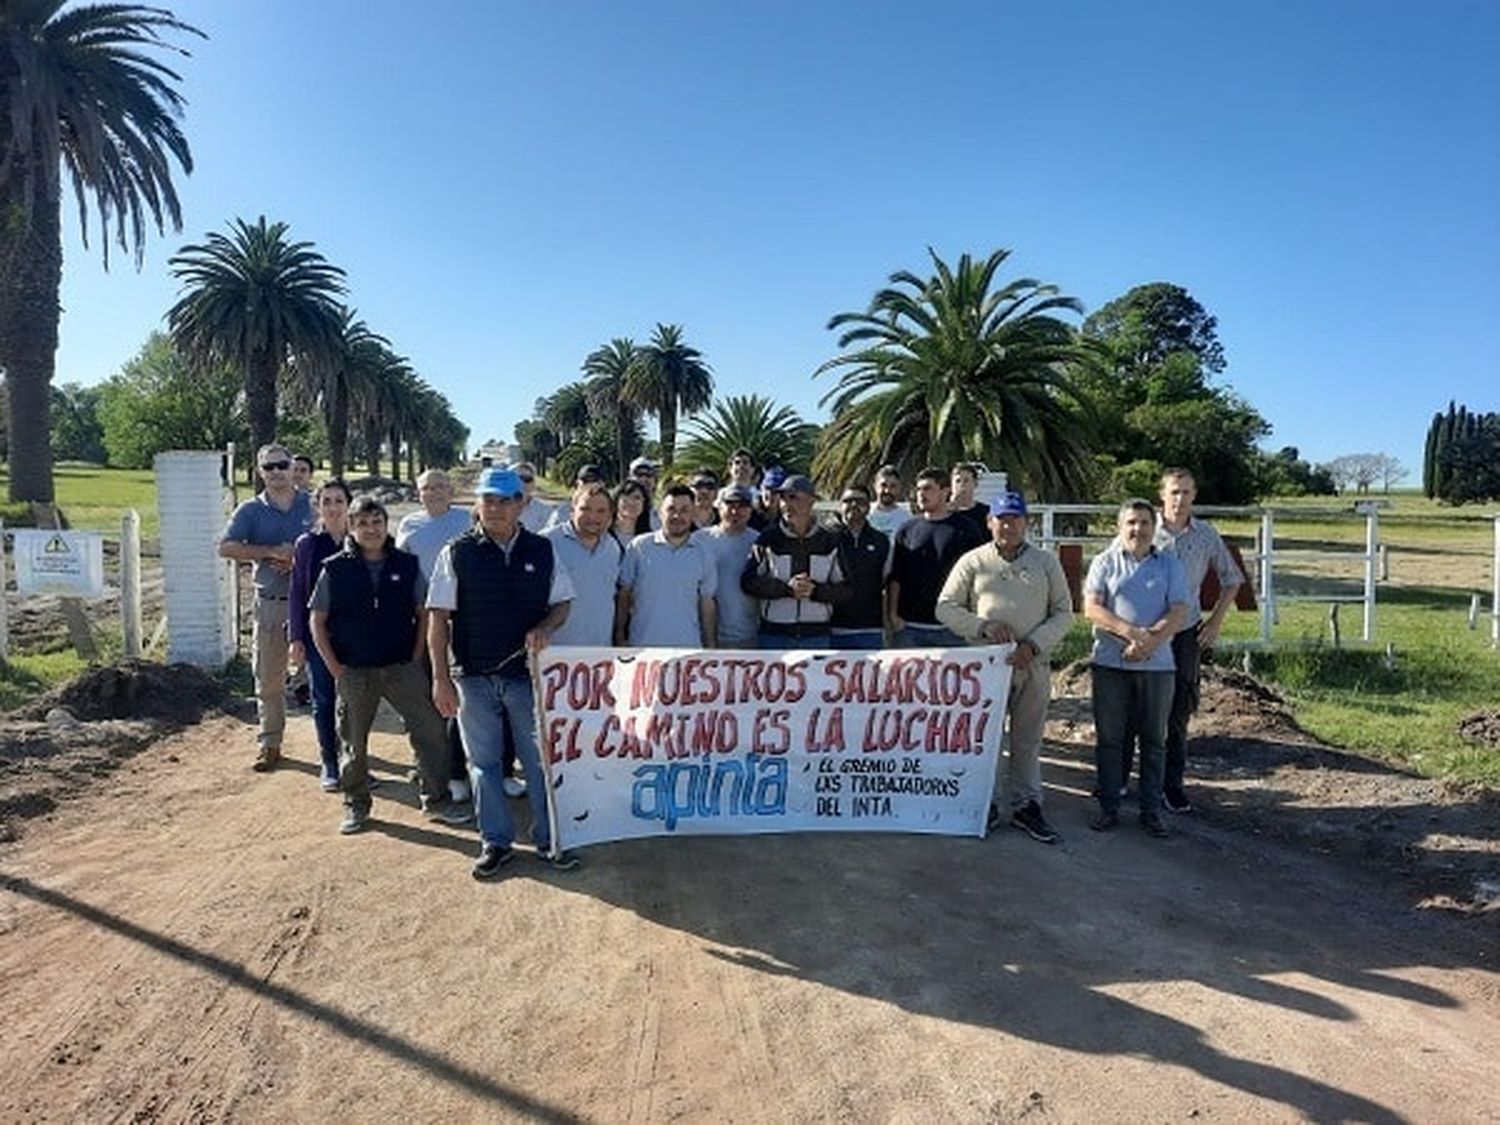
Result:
x=705 y=480
x=588 y=474
x=735 y=493
x=1008 y=504
x=643 y=465
x=798 y=483
x=499 y=482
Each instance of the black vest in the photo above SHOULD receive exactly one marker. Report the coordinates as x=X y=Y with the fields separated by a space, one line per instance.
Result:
x=863 y=560
x=500 y=600
x=372 y=624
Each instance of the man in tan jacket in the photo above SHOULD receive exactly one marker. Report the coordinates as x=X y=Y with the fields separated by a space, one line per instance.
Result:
x=1010 y=591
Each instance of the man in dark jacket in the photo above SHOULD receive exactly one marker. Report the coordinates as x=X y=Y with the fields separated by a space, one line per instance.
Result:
x=369 y=623
x=859 y=622
x=796 y=572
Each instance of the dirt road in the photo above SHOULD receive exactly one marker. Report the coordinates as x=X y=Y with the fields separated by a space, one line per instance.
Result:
x=188 y=941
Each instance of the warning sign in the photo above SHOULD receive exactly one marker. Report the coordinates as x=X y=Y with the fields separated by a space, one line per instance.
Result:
x=67 y=564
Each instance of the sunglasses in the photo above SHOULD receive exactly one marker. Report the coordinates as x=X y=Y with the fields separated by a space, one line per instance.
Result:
x=276 y=465
x=527 y=480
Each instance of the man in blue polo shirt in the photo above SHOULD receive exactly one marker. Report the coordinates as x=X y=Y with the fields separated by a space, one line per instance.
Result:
x=262 y=531
x=667 y=583
x=498 y=593
x=1136 y=599
x=591 y=556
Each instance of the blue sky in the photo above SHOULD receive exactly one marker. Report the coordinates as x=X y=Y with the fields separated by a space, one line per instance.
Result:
x=510 y=185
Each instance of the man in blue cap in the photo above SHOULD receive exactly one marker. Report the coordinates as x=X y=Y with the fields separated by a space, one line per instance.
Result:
x=1010 y=591
x=498 y=593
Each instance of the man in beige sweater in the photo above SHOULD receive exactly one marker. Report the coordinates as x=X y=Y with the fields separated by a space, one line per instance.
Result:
x=1010 y=591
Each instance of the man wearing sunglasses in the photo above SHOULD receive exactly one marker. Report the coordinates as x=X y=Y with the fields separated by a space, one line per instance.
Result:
x=261 y=532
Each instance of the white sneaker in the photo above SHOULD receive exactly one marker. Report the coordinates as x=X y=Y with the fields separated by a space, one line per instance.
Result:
x=514 y=787
x=458 y=789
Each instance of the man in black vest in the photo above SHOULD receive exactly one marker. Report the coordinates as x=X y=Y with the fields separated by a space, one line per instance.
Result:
x=369 y=624
x=498 y=593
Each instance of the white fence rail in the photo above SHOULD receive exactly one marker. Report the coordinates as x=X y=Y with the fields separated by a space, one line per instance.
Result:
x=1265 y=557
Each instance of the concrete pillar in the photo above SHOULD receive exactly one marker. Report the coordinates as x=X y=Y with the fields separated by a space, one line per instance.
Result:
x=194 y=503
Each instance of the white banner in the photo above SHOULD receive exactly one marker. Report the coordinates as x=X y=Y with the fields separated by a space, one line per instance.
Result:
x=69 y=564
x=648 y=742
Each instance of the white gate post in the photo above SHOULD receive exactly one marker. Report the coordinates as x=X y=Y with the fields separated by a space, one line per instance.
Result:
x=1267 y=579
x=1495 y=592
x=130 y=582
x=5 y=605
x=1372 y=551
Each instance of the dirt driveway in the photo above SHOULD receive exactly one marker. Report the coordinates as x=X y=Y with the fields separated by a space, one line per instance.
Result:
x=183 y=940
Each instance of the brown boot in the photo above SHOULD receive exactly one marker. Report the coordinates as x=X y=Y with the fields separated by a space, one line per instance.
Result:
x=266 y=760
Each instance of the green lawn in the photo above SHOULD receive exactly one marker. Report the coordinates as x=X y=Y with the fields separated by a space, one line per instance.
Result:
x=94 y=499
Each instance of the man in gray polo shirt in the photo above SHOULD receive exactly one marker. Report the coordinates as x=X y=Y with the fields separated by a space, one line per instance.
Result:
x=592 y=557
x=262 y=531
x=1136 y=599
x=730 y=541
x=1200 y=548
x=667 y=583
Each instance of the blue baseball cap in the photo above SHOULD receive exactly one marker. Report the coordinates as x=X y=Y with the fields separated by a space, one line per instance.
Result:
x=1008 y=504
x=500 y=482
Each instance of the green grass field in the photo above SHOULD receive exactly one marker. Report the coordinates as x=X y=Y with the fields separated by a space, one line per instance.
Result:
x=94 y=499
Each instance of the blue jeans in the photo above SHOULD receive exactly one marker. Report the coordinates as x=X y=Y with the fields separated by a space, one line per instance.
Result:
x=324 y=710
x=858 y=640
x=1123 y=699
x=907 y=637
x=485 y=705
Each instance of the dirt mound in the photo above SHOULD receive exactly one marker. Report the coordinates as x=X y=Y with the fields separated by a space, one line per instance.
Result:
x=1482 y=727
x=1233 y=706
x=178 y=694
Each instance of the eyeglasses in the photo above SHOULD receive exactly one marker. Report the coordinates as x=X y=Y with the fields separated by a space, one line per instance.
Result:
x=276 y=466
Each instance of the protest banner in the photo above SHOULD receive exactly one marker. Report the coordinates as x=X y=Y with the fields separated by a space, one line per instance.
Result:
x=654 y=741
x=68 y=564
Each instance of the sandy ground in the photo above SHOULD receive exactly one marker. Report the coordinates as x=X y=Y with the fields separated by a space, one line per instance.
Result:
x=184 y=940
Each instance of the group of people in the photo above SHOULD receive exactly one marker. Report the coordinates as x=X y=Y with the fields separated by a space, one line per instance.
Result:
x=439 y=619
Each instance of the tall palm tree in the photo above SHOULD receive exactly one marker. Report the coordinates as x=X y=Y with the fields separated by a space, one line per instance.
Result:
x=606 y=367
x=949 y=368
x=79 y=89
x=668 y=379
x=254 y=300
x=350 y=364
x=773 y=435
x=566 y=411
x=376 y=398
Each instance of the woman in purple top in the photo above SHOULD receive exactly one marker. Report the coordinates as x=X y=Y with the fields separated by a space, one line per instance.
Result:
x=311 y=551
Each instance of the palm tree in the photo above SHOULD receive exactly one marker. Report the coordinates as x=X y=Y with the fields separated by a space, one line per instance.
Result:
x=566 y=411
x=358 y=354
x=669 y=378
x=773 y=435
x=606 y=367
x=254 y=300
x=948 y=369
x=78 y=89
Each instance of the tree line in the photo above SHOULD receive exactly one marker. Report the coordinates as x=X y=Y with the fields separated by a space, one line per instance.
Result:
x=1461 y=458
x=957 y=364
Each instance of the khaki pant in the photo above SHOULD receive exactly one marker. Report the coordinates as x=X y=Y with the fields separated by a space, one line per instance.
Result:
x=1021 y=779
x=268 y=663
x=405 y=688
